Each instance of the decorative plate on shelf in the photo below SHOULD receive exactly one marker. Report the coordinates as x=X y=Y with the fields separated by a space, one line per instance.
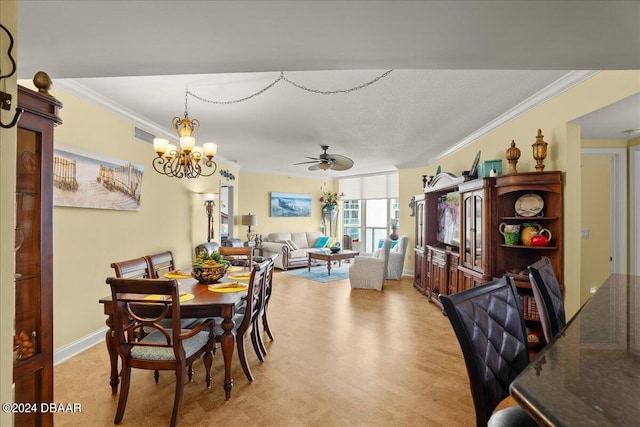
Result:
x=529 y=205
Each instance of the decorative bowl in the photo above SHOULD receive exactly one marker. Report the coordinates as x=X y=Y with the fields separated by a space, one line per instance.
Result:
x=334 y=249
x=209 y=275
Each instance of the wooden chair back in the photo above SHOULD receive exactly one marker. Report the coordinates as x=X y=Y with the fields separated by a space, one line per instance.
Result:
x=160 y=264
x=145 y=307
x=241 y=255
x=137 y=268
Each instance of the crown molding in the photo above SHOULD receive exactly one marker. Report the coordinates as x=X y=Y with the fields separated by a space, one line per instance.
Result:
x=561 y=85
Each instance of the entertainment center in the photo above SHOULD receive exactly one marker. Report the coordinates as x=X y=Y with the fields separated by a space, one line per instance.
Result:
x=458 y=242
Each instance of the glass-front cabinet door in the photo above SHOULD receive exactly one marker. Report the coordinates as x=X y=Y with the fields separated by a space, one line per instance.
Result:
x=478 y=200
x=472 y=229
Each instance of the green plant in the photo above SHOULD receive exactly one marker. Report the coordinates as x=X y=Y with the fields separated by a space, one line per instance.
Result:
x=206 y=259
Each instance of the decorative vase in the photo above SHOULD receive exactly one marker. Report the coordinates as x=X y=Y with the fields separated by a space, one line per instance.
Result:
x=330 y=219
x=394 y=234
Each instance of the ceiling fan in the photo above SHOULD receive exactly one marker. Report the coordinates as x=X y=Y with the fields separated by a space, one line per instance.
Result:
x=328 y=161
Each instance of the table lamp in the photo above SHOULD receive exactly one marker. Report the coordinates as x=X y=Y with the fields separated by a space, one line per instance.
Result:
x=250 y=220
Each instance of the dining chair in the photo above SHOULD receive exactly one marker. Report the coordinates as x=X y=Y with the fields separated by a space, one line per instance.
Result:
x=256 y=338
x=489 y=325
x=370 y=272
x=136 y=268
x=237 y=255
x=548 y=297
x=160 y=264
x=246 y=317
x=145 y=303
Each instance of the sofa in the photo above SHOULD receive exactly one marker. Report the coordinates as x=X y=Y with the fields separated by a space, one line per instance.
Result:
x=293 y=247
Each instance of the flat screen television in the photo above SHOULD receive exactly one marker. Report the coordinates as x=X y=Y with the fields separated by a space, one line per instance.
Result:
x=449 y=219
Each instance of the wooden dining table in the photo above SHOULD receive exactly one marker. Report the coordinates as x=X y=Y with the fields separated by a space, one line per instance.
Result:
x=205 y=304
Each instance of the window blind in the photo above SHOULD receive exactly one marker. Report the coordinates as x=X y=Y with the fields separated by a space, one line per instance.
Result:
x=367 y=187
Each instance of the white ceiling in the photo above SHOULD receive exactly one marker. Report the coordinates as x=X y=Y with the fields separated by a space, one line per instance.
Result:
x=458 y=66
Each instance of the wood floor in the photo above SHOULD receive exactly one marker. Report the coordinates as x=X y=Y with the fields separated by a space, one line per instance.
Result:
x=340 y=357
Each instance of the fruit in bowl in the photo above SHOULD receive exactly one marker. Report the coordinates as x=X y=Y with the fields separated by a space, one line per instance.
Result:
x=209 y=267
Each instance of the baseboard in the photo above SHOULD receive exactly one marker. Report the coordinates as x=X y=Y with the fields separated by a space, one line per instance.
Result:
x=77 y=347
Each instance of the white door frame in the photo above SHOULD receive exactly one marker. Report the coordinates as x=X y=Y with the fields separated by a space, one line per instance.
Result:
x=619 y=203
x=634 y=200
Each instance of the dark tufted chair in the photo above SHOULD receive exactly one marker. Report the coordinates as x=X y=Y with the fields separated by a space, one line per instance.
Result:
x=490 y=328
x=548 y=296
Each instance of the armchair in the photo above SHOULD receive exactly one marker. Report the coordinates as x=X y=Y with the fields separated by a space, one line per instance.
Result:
x=370 y=272
x=396 y=259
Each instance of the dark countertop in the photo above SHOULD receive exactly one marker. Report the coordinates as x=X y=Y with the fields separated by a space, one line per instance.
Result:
x=590 y=374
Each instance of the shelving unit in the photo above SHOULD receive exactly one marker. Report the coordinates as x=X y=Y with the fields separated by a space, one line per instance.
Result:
x=33 y=325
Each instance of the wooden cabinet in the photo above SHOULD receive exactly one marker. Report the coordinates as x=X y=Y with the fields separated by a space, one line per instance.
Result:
x=420 y=272
x=33 y=351
x=476 y=232
x=485 y=203
x=438 y=282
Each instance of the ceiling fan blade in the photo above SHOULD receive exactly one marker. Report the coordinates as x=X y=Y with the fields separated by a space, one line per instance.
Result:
x=305 y=163
x=341 y=163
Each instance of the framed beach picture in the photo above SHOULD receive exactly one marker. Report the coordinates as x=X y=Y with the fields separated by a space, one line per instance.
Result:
x=84 y=179
x=290 y=204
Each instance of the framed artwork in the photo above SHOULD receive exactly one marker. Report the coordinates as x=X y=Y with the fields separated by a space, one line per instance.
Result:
x=84 y=179
x=290 y=204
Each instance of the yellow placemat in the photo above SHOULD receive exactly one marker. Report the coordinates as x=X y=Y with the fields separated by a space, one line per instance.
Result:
x=245 y=276
x=183 y=297
x=176 y=276
x=228 y=287
x=234 y=268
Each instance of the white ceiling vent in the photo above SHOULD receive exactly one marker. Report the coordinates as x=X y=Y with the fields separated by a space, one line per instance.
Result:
x=143 y=135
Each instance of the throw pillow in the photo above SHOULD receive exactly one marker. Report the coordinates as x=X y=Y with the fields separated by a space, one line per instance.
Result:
x=292 y=245
x=330 y=242
x=321 y=242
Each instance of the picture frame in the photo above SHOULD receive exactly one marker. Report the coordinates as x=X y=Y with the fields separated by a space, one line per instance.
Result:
x=474 y=166
x=290 y=204
x=85 y=179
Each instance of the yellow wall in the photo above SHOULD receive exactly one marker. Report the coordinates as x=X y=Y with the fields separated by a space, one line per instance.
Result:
x=596 y=187
x=564 y=141
x=255 y=198
x=8 y=18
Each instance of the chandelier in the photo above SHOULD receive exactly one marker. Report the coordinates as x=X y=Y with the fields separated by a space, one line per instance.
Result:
x=190 y=161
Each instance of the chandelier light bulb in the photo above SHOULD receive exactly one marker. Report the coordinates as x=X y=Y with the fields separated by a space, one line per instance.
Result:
x=187 y=143
x=160 y=145
x=210 y=149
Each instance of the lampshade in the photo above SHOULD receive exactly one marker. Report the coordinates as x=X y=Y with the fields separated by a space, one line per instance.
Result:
x=249 y=220
x=209 y=196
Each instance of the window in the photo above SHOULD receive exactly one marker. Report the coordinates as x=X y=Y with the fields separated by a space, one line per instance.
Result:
x=370 y=203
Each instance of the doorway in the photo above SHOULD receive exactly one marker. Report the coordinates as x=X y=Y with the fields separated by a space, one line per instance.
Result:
x=227 y=211
x=604 y=232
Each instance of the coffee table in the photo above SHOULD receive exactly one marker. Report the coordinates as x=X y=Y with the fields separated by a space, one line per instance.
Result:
x=330 y=257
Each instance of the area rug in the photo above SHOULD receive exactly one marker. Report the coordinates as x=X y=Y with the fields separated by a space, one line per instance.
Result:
x=319 y=273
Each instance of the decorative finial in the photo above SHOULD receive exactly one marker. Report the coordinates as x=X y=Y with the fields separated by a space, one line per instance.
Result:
x=513 y=154
x=42 y=81
x=539 y=151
